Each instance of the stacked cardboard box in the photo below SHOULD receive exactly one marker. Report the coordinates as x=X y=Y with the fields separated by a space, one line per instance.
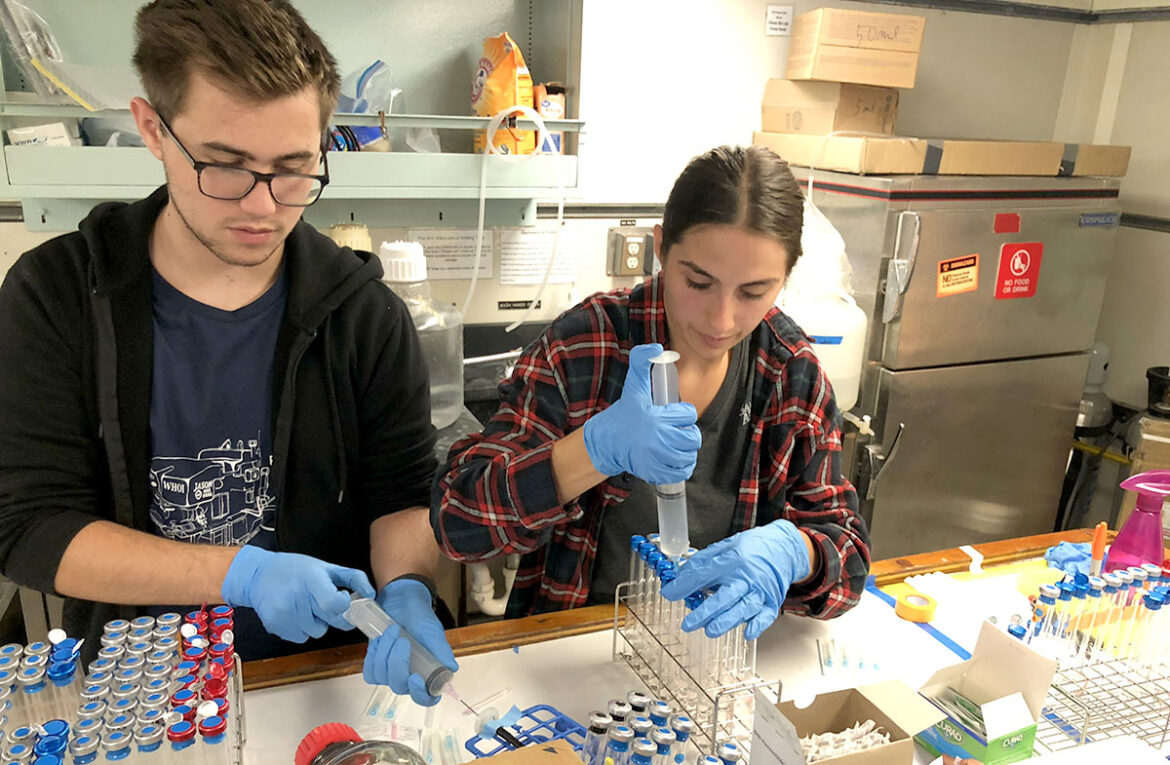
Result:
x=844 y=71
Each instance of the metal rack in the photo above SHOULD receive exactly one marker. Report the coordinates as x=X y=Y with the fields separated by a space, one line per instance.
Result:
x=237 y=725
x=1104 y=700
x=723 y=708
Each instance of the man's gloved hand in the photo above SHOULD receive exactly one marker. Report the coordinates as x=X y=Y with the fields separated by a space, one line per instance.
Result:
x=658 y=444
x=408 y=603
x=753 y=570
x=295 y=596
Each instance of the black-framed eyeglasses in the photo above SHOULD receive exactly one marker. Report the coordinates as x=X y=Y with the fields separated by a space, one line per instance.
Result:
x=229 y=183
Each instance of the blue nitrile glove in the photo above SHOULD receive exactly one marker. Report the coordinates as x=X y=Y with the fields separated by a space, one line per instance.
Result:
x=295 y=596
x=753 y=570
x=1070 y=557
x=658 y=444
x=408 y=603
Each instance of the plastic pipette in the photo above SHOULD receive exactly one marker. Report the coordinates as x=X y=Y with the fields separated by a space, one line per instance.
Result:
x=674 y=536
x=368 y=616
x=1100 y=532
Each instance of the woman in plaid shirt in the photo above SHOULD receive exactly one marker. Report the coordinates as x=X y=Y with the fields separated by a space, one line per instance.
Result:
x=562 y=473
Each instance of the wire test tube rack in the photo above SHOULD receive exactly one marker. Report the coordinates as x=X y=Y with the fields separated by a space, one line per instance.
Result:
x=711 y=680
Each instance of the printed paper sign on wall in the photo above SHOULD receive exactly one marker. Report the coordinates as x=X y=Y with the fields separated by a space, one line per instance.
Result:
x=1019 y=270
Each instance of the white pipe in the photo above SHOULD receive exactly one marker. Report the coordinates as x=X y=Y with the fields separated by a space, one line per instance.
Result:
x=483 y=586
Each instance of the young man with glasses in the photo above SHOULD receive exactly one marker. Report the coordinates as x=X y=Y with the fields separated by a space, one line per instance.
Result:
x=205 y=400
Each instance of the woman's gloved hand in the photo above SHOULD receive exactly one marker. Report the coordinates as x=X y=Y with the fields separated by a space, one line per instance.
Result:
x=658 y=444
x=408 y=603
x=297 y=597
x=753 y=571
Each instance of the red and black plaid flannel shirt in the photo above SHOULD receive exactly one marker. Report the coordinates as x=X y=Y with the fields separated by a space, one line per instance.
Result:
x=496 y=494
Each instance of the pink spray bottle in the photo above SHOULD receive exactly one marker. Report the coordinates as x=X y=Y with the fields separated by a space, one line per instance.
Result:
x=1140 y=539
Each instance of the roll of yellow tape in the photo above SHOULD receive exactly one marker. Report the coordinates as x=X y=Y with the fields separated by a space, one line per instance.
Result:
x=915 y=607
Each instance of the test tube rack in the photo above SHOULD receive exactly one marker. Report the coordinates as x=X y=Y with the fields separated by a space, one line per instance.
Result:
x=1106 y=699
x=722 y=707
x=237 y=725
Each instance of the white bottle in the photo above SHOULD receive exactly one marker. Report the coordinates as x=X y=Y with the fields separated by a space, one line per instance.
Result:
x=440 y=329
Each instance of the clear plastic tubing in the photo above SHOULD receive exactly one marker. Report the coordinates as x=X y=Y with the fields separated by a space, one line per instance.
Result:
x=674 y=536
x=368 y=616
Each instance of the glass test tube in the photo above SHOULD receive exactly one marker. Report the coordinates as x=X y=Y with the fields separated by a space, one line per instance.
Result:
x=674 y=535
x=635 y=559
x=1094 y=607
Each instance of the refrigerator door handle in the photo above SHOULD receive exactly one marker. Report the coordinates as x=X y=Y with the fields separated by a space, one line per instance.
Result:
x=901 y=266
x=874 y=459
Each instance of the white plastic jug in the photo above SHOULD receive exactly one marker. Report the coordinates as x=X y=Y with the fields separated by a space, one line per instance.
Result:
x=836 y=326
x=439 y=327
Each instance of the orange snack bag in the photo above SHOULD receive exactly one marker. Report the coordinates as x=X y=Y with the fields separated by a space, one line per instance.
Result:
x=502 y=80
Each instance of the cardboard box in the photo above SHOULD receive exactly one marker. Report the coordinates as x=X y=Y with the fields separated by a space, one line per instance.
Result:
x=883 y=156
x=558 y=752
x=802 y=106
x=894 y=707
x=855 y=46
x=1009 y=682
x=1081 y=159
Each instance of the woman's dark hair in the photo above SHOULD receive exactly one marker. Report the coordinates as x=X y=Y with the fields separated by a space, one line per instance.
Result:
x=744 y=186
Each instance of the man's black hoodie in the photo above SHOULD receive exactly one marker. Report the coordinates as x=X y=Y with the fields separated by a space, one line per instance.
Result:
x=352 y=437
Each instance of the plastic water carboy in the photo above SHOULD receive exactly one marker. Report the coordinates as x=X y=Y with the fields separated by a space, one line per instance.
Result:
x=440 y=329
x=1140 y=539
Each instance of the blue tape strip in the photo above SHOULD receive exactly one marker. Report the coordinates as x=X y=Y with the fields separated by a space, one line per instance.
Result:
x=509 y=719
x=955 y=648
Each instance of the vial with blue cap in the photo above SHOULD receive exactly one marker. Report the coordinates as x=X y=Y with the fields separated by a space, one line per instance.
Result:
x=32 y=685
x=642 y=751
x=21 y=753
x=83 y=749
x=664 y=742
x=729 y=753
x=47 y=759
x=682 y=726
x=122 y=721
x=52 y=745
x=641 y=725
x=88 y=727
x=116 y=744
x=148 y=738
x=617 y=748
x=150 y=716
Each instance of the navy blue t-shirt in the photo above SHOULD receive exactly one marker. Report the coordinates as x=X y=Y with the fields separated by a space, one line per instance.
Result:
x=211 y=428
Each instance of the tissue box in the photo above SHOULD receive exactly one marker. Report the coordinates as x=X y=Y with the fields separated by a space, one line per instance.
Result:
x=1009 y=682
x=892 y=705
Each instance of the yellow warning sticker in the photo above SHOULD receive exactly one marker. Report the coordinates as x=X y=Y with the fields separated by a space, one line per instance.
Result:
x=958 y=275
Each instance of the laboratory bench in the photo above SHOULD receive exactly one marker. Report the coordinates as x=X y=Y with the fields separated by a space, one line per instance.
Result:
x=566 y=659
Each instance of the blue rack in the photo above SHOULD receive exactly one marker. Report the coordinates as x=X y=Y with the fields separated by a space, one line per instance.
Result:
x=537 y=725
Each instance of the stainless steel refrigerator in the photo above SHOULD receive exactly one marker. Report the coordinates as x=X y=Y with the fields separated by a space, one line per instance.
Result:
x=983 y=295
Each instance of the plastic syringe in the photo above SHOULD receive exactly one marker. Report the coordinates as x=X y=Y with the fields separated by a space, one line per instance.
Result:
x=368 y=616
x=674 y=535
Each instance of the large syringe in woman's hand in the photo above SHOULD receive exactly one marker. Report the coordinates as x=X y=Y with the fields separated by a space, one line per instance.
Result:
x=368 y=616
x=674 y=534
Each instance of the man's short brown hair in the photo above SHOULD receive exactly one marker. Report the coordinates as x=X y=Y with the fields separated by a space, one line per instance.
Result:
x=260 y=49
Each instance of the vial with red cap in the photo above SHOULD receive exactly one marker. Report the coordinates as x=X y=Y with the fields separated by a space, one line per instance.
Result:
x=339 y=744
x=213 y=730
x=181 y=736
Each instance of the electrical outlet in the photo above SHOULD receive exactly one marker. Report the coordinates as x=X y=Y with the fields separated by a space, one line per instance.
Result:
x=631 y=251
